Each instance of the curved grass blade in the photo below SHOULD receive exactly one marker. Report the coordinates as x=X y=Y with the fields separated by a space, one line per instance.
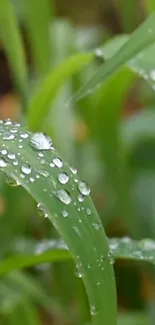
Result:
x=127 y=248
x=32 y=161
x=138 y=41
x=12 y=42
x=53 y=251
x=42 y=99
x=37 y=23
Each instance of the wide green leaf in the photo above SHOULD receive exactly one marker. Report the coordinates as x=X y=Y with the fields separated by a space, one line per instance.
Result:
x=12 y=42
x=138 y=41
x=33 y=162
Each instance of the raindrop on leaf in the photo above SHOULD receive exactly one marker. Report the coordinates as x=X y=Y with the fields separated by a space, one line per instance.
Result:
x=83 y=188
x=40 y=141
x=63 y=196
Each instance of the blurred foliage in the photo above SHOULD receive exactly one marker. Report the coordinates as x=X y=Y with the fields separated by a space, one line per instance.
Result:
x=108 y=135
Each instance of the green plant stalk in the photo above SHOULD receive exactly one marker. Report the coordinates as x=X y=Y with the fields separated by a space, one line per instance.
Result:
x=37 y=20
x=83 y=233
x=13 y=45
x=44 y=96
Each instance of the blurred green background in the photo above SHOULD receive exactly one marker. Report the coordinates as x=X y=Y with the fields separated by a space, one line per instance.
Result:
x=122 y=181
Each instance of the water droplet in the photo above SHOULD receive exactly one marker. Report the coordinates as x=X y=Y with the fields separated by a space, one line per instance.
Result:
x=81 y=197
x=4 y=152
x=52 y=164
x=93 y=310
x=73 y=170
x=83 y=188
x=26 y=169
x=63 y=196
x=15 y=162
x=8 y=136
x=147 y=244
x=14 y=130
x=111 y=258
x=32 y=179
x=7 y=122
x=24 y=135
x=41 y=141
x=40 y=154
x=75 y=228
x=63 y=178
x=3 y=163
x=97 y=225
x=152 y=75
x=11 y=181
x=65 y=213
x=88 y=211
x=57 y=162
x=11 y=156
x=41 y=210
x=78 y=271
x=44 y=173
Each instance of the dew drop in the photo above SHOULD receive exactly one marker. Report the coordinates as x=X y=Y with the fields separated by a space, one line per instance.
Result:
x=78 y=271
x=40 y=141
x=26 y=169
x=4 y=152
x=11 y=156
x=52 y=164
x=73 y=170
x=41 y=155
x=41 y=210
x=96 y=225
x=3 y=163
x=147 y=244
x=32 y=179
x=63 y=196
x=93 y=310
x=65 y=213
x=152 y=74
x=88 y=211
x=83 y=188
x=15 y=162
x=24 y=135
x=11 y=181
x=81 y=197
x=8 y=136
x=63 y=178
x=57 y=162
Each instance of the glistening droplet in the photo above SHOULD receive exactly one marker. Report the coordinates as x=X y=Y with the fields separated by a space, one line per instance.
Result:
x=26 y=169
x=63 y=178
x=83 y=188
x=40 y=141
x=63 y=196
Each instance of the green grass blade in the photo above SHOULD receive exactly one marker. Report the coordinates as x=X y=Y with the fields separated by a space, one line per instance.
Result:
x=139 y=40
x=36 y=165
x=37 y=23
x=26 y=260
x=127 y=248
x=12 y=42
x=43 y=97
x=121 y=248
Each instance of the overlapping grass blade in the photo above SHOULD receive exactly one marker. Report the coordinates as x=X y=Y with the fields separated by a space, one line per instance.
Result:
x=13 y=46
x=43 y=97
x=139 y=40
x=35 y=164
x=37 y=22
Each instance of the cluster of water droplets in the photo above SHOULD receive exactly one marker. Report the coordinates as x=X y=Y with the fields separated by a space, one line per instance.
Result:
x=128 y=248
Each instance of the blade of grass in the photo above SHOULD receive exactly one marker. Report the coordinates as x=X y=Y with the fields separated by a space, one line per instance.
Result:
x=138 y=41
x=76 y=221
x=121 y=248
x=43 y=97
x=37 y=22
x=13 y=45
